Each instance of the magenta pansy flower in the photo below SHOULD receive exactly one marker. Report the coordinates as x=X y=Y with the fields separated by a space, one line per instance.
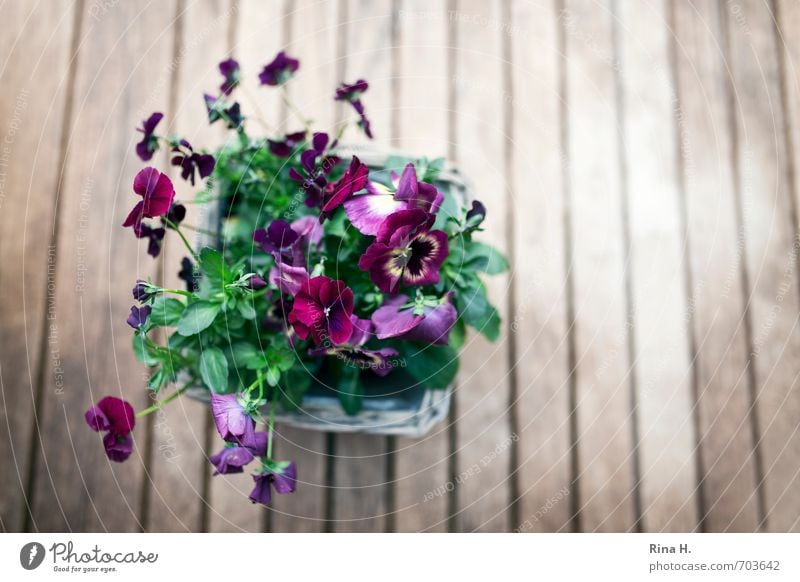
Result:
x=157 y=195
x=430 y=324
x=322 y=309
x=368 y=211
x=149 y=144
x=405 y=250
x=234 y=423
x=354 y=180
x=282 y=477
x=315 y=164
x=281 y=69
x=115 y=416
x=229 y=69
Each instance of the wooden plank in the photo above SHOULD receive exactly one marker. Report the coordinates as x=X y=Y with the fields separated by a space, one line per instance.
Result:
x=123 y=67
x=312 y=39
x=539 y=318
x=179 y=466
x=482 y=395
x=661 y=335
x=360 y=477
x=716 y=247
x=422 y=113
x=36 y=43
x=770 y=216
x=606 y=476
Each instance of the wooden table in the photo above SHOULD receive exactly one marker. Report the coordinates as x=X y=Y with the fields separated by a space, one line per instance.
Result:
x=640 y=165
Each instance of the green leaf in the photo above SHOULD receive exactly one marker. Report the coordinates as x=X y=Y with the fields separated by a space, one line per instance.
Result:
x=475 y=308
x=246 y=308
x=163 y=376
x=350 y=390
x=212 y=264
x=143 y=352
x=166 y=311
x=458 y=334
x=482 y=257
x=273 y=376
x=197 y=317
x=214 y=368
x=433 y=366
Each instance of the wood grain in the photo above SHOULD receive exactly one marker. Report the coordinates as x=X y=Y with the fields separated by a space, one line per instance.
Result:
x=661 y=333
x=126 y=71
x=716 y=247
x=606 y=474
x=36 y=42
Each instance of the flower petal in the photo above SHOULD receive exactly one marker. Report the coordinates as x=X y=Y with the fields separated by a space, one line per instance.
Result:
x=392 y=321
x=368 y=211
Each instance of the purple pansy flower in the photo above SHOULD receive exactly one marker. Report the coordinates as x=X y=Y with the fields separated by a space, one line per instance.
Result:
x=187 y=275
x=354 y=180
x=218 y=109
x=315 y=171
x=233 y=457
x=154 y=237
x=368 y=211
x=234 y=423
x=285 y=147
x=144 y=291
x=191 y=162
x=138 y=317
x=279 y=240
x=149 y=144
x=115 y=416
x=406 y=250
x=430 y=322
x=157 y=194
x=352 y=94
x=281 y=69
x=287 y=278
x=322 y=309
x=256 y=283
x=229 y=69
x=176 y=214
x=353 y=352
x=279 y=476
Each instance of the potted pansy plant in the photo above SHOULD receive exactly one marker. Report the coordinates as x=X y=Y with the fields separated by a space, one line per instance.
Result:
x=325 y=277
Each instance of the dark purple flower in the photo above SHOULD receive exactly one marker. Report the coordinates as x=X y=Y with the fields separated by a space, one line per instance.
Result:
x=229 y=69
x=112 y=414
x=352 y=94
x=187 y=275
x=191 y=162
x=406 y=250
x=157 y=194
x=475 y=216
x=144 y=291
x=149 y=144
x=234 y=423
x=368 y=211
x=316 y=164
x=287 y=278
x=233 y=457
x=176 y=214
x=218 y=109
x=429 y=322
x=154 y=237
x=353 y=352
x=256 y=283
x=118 y=447
x=322 y=309
x=354 y=180
x=281 y=69
x=279 y=476
x=278 y=239
x=138 y=317
x=285 y=147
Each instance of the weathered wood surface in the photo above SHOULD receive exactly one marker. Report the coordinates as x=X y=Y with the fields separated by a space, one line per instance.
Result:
x=639 y=161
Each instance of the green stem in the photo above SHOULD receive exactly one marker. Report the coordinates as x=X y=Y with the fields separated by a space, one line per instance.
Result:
x=293 y=108
x=179 y=292
x=161 y=403
x=174 y=227
x=254 y=103
x=201 y=230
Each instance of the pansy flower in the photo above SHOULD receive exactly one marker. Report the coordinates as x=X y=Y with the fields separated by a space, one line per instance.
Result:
x=229 y=69
x=285 y=147
x=157 y=194
x=138 y=317
x=192 y=162
x=353 y=352
x=144 y=291
x=187 y=274
x=233 y=421
x=322 y=309
x=316 y=164
x=475 y=216
x=176 y=214
x=352 y=94
x=280 y=476
x=428 y=321
x=256 y=283
x=406 y=250
x=354 y=180
x=115 y=416
x=233 y=457
x=218 y=109
x=149 y=144
x=154 y=237
x=288 y=244
x=281 y=69
x=368 y=211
